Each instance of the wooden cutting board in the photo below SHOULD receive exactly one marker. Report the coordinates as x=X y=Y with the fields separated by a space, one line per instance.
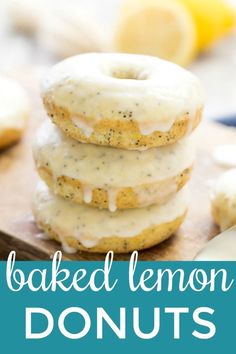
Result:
x=18 y=177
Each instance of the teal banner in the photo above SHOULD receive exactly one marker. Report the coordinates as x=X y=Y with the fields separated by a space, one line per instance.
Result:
x=113 y=307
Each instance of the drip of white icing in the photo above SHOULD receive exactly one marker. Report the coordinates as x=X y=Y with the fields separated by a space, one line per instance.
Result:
x=225 y=155
x=161 y=126
x=42 y=236
x=88 y=194
x=60 y=229
x=81 y=124
x=112 y=196
x=88 y=243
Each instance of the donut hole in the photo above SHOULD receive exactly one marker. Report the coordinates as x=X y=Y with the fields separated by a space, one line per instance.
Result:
x=128 y=74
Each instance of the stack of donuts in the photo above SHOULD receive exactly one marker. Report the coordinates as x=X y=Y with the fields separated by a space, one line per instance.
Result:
x=115 y=163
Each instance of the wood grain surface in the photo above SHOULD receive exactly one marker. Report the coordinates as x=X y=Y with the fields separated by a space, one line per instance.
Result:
x=18 y=177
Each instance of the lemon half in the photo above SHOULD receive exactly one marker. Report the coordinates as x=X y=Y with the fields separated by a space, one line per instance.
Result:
x=213 y=19
x=162 y=28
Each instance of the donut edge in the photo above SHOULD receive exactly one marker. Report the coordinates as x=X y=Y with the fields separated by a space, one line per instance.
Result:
x=124 y=134
x=148 y=238
x=72 y=189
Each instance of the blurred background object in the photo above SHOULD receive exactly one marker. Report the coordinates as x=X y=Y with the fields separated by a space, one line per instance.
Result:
x=69 y=30
x=25 y=15
x=162 y=28
x=213 y=19
x=14 y=112
x=175 y=30
x=198 y=33
x=221 y=248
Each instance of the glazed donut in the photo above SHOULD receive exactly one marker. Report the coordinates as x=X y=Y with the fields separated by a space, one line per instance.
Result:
x=79 y=227
x=127 y=101
x=14 y=111
x=223 y=200
x=111 y=178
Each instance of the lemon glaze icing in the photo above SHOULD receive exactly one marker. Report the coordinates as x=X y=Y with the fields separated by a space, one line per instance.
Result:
x=110 y=168
x=90 y=225
x=152 y=92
